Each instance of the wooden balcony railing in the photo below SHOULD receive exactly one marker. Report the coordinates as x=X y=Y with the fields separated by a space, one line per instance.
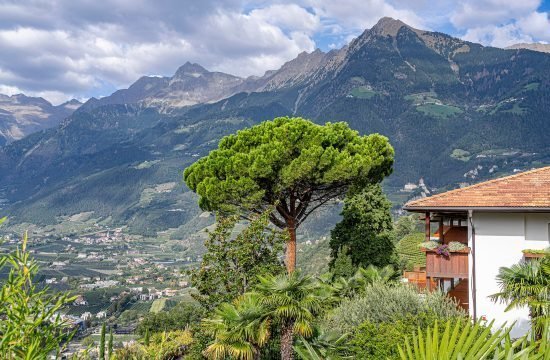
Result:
x=453 y=266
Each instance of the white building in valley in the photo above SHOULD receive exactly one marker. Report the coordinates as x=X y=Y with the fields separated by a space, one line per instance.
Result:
x=499 y=222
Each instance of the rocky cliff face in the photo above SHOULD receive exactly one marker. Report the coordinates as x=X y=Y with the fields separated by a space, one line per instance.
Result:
x=22 y=115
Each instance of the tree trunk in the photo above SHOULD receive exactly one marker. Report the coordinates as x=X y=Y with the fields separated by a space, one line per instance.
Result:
x=291 y=250
x=287 y=332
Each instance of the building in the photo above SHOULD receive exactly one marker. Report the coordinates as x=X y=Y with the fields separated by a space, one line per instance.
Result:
x=101 y=315
x=497 y=221
x=80 y=301
x=86 y=316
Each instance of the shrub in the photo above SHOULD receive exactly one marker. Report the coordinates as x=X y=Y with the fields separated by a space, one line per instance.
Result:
x=30 y=327
x=385 y=303
x=179 y=317
x=164 y=346
x=381 y=341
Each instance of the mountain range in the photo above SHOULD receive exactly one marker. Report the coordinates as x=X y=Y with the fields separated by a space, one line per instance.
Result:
x=455 y=111
x=22 y=115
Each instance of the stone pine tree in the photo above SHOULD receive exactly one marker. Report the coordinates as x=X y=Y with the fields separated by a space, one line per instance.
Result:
x=290 y=164
x=102 y=343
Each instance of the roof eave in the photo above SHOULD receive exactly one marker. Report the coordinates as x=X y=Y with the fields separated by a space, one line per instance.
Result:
x=477 y=208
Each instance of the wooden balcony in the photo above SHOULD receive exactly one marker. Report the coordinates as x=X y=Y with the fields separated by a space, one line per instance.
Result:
x=453 y=266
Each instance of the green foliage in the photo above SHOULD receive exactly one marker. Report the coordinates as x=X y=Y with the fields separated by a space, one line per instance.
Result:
x=239 y=328
x=102 y=343
x=178 y=318
x=406 y=225
x=163 y=346
x=342 y=265
x=110 y=345
x=527 y=284
x=383 y=303
x=327 y=345
x=146 y=339
x=287 y=305
x=464 y=340
x=293 y=302
x=380 y=341
x=266 y=164
x=439 y=110
x=30 y=328
x=537 y=251
x=363 y=92
x=365 y=229
x=408 y=250
x=291 y=164
x=231 y=264
x=360 y=282
x=461 y=155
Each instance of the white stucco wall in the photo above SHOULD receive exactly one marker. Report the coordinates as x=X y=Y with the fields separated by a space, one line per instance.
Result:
x=500 y=239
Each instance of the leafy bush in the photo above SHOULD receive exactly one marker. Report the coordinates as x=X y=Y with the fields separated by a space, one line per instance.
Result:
x=380 y=341
x=381 y=303
x=30 y=327
x=163 y=346
x=178 y=318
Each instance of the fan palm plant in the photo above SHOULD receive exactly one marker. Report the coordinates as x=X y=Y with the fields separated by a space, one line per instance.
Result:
x=239 y=329
x=292 y=302
x=466 y=340
x=324 y=345
x=356 y=284
x=527 y=284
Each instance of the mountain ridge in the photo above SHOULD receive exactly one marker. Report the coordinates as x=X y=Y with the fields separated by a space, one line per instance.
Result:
x=456 y=112
x=21 y=115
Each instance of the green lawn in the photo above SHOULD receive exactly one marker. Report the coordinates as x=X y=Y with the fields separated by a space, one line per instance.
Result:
x=439 y=110
x=461 y=155
x=362 y=92
x=531 y=86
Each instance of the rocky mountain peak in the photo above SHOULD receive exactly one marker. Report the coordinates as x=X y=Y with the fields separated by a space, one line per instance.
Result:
x=388 y=26
x=190 y=69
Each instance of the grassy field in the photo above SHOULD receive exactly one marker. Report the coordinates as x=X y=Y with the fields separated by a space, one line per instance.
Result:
x=362 y=92
x=439 y=110
x=461 y=155
x=161 y=305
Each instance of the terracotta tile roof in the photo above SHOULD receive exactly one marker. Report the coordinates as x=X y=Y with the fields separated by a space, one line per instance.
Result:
x=530 y=189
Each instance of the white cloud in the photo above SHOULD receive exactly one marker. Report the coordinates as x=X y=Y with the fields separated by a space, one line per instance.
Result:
x=537 y=25
x=479 y=13
x=79 y=47
x=501 y=22
x=363 y=14
x=499 y=36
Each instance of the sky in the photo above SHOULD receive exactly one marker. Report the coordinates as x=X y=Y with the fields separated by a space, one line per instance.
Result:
x=63 y=49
